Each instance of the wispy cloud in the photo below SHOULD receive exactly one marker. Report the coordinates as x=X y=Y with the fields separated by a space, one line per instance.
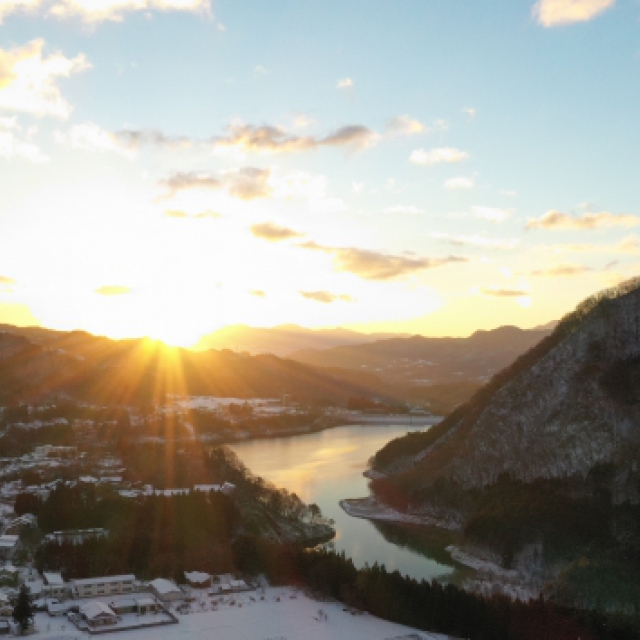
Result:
x=325 y=297
x=405 y=126
x=438 y=156
x=28 y=80
x=91 y=137
x=6 y=284
x=587 y=221
x=186 y=181
x=113 y=290
x=375 y=265
x=460 y=182
x=552 y=13
x=498 y=292
x=345 y=83
x=245 y=183
x=470 y=112
x=492 y=214
x=273 y=232
x=477 y=241
x=257 y=293
x=562 y=270
x=238 y=137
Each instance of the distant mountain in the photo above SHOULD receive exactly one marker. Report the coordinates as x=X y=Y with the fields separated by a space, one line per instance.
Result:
x=542 y=465
x=282 y=340
x=426 y=361
x=37 y=363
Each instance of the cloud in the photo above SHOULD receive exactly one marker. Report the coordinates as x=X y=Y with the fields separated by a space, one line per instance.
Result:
x=91 y=137
x=273 y=233
x=405 y=126
x=562 y=270
x=14 y=144
x=186 y=181
x=345 y=83
x=248 y=183
x=477 y=241
x=260 y=70
x=28 y=80
x=374 y=265
x=177 y=213
x=325 y=297
x=553 y=13
x=90 y=11
x=587 y=221
x=437 y=156
x=113 y=290
x=400 y=209
x=497 y=292
x=470 y=112
x=459 y=183
x=492 y=214
x=266 y=139
x=257 y=293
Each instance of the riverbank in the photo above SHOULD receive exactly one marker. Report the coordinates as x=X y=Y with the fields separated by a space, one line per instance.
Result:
x=371 y=509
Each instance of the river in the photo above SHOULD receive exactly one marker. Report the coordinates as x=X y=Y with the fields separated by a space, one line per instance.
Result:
x=327 y=467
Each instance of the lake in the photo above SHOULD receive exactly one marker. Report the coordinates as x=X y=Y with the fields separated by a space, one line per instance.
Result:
x=327 y=467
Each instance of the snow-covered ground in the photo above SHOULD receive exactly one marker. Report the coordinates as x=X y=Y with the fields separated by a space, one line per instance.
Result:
x=371 y=509
x=284 y=614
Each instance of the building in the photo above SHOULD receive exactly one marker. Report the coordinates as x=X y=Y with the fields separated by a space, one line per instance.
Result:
x=98 y=614
x=108 y=585
x=54 y=586
x=165 y=590
x=197 y=579
x=141 y=605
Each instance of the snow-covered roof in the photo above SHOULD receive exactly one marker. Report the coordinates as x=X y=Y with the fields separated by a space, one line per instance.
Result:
x=94 y=609
x=8 y=542
x=206 y=487
x=53 y=579
x=164 y=586
x=196 y=576
x=106 y=579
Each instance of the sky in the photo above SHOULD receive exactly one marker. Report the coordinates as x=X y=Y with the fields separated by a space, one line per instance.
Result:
x=170 y=167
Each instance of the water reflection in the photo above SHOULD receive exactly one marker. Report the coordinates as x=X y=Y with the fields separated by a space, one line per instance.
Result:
x=327 y=467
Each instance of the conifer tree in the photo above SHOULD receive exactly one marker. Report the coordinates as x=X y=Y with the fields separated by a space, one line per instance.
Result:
x=23 y=612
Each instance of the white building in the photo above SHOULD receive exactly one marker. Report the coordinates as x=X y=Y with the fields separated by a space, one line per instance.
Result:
x=76 y=536
x=54 y=585
x=107 y=585
x=165 y=590
x=98 y=614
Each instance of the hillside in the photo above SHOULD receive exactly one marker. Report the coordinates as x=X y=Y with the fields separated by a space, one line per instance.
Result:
x=421 y=361
x=282 y=340
x=546 y=454
x=129 y=371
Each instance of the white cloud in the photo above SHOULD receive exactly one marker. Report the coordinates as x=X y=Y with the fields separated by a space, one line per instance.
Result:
x=93 y=11
x=492 y=214
x=437 y=156
x=14 y=144
x=260 y=70
x=345 y=83
x=28 y=81
x=460 y=182
x=91 y=137
x=405 y=126
x=470 y=112
x=552 y=13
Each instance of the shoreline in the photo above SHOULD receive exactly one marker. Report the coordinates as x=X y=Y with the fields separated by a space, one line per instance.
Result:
x=371 y=509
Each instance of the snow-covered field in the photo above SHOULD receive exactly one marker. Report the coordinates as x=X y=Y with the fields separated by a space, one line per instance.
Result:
x=284 y=614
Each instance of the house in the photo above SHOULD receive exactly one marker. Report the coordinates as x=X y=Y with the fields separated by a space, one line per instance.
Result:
x=108 y=585
x=165 y=590
x=54 y=586
x=5 y=627
x=141 y=605
x=98 y=614
x=197 y=579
